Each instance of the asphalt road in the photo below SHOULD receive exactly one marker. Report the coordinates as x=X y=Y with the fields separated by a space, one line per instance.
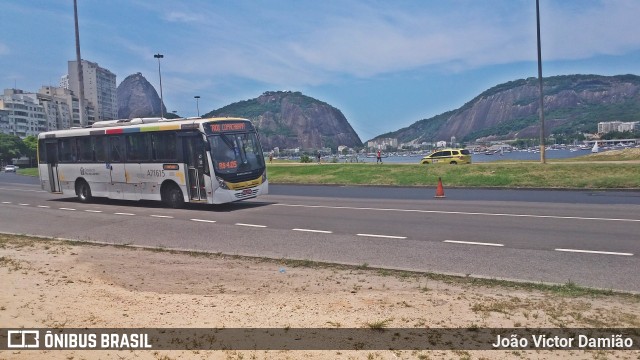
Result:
x=589 y=238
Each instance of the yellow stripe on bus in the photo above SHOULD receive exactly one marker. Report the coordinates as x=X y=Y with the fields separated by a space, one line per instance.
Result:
x=245 y=184
x=169 y=127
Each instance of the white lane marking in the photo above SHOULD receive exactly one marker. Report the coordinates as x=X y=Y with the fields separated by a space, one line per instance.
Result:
x=459 y=212
x=313 y=231
x=6 y=202
x=23 y=204
x=383 y=236
x=94 y=211
x=44 y=206
x=14 y=189
x=69 y=209
x=595 y=252
x=251 y=225
x=201 y=220
x=162 y=216
x=126 y=214
x=472 y=243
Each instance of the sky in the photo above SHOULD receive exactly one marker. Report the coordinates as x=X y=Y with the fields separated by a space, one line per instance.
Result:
x=385 y=64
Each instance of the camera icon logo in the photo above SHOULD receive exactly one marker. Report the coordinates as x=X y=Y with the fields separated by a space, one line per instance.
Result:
x=23 y=339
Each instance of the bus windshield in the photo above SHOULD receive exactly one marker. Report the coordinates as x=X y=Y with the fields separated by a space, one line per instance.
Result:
x=236 y=152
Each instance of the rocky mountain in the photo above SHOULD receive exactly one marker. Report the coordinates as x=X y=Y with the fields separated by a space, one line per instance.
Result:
x=572 y=103
x=288 y=120
x=138 y=98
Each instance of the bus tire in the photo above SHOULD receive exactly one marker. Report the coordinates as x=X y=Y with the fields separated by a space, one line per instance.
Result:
x=83 y=191
x=172 y=196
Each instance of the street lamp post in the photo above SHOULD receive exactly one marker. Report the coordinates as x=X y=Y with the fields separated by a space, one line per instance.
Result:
x=542 y=144
x=160 y=56
x=197 y=97
x=83 y=121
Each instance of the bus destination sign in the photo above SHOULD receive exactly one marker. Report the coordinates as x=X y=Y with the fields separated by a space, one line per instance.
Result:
x=228 y=126
x=225 y=165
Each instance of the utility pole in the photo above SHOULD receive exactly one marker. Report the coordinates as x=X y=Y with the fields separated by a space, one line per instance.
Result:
x=542 y=145
x=83 y=121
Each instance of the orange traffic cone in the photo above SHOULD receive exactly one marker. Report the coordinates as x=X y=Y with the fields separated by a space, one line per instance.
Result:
x=439 y=190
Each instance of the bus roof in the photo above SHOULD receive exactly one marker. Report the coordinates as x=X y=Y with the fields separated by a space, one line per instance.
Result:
x=134 y=125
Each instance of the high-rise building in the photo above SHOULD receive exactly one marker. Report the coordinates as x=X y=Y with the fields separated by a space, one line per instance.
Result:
x=99 y=89
x=64 y=81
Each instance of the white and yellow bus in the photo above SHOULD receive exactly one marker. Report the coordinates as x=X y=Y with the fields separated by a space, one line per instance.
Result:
x=213 y=161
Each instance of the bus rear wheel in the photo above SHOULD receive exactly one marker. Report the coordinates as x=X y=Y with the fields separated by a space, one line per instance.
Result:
x=83 y=191
x=172 y=197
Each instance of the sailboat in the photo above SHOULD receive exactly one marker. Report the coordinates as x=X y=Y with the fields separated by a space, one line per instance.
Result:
x=595 y=149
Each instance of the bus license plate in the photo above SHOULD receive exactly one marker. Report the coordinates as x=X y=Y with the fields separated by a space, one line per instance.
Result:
x=246 y=192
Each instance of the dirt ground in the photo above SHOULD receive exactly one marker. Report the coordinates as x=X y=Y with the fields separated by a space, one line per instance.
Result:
x=57 y=284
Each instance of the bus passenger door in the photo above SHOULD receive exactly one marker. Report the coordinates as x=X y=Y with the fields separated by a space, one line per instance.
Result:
x=116 y=168
x=51 y=149
x=196 y=160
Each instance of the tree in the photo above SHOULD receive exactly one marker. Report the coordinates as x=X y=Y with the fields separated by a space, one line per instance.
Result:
x=30 y=147
x=10 y=147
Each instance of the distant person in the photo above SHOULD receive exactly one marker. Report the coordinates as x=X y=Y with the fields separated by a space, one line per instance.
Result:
x=270 y=158
x=318 y=157
x=379 y=157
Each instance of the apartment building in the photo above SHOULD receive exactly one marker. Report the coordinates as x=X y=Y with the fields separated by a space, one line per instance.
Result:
x=62 y=108
x=51 y=108
x=5 y=128
x=64 y=81
x=609 y=126
x=26 y=116
x=383 y=143
x=99 y=89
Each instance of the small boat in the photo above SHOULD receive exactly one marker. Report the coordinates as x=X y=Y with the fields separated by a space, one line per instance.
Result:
x=595 y=148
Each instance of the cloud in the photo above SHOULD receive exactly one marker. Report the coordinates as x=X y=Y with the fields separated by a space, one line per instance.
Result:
x=4 y=49
x=292 y=45
x=605 y=28
x=183 y=17
x=387 y=40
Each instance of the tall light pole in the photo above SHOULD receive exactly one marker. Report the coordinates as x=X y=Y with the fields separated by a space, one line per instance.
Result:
x=160 y=56
x=542 y=145
x=80 y=72
x=197 y=97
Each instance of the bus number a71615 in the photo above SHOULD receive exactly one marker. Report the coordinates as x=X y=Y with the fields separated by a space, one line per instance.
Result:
x=156 y=173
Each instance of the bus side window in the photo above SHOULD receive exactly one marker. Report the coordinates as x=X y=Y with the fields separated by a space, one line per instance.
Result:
x=137 y=147
x=42 y=156
x=115 y=149
x=164 y=146
x=67 y=149
x=85 y=149
x=100 y=148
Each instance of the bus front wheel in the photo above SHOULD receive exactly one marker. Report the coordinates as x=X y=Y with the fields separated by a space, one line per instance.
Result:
x=172 y=196
x=83 y=191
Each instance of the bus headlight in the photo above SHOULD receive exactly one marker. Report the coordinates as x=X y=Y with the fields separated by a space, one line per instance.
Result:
x=222 y=183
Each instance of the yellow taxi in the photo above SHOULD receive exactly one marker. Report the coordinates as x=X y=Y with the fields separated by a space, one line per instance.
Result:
x=448 y=156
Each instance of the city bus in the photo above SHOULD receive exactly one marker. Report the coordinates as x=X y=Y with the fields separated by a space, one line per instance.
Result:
x=213 y=161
